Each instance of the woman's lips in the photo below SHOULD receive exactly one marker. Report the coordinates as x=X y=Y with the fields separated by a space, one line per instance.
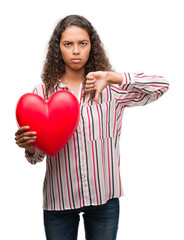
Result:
x=76 y=60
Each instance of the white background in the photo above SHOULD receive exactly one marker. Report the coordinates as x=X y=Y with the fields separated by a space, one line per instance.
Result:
x=138 y=35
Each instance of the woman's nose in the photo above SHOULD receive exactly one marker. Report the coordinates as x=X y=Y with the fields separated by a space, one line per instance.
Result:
x=75 y=49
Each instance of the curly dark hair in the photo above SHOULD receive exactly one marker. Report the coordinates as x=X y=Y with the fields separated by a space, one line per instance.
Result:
x=54 y=66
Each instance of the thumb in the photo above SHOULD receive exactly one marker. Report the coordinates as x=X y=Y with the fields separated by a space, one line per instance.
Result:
x=96 y=98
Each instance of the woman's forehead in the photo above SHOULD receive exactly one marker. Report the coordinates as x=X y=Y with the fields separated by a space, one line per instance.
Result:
x=74 y=32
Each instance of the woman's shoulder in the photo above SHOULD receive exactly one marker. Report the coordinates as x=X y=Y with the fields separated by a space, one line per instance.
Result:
x=39 y=89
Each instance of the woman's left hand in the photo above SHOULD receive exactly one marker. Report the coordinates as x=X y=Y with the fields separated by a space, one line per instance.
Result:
x=96 y=81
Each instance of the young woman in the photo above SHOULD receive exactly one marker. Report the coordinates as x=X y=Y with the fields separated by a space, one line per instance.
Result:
x=85 y=175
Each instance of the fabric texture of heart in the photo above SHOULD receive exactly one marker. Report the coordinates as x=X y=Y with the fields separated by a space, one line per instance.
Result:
x=54 y=121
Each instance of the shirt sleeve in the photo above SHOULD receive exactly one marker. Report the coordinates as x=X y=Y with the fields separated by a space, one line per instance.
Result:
x=38 y=156
x=138 y=89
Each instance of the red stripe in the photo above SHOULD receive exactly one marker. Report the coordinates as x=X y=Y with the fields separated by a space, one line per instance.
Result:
x=119 y=177
x=34 y=90
x=158 y=77
x=109 y=168
x=124 y=99
x=108 y=152
x=81 y=95
x=43 y=92
x=50 y=187
x=107 y=94
x=120 y=89
x=114 y=123
x=44 y=198
x=101 y=145
x=126 y=82
x=89 y=125
x=159 y=86
x=39 y=159
x=144 y=76
x=67 y=178
x=94 y=171
x=77 y=171
x=58 y=183
x=143 y=92
x=126 y=106
x=119 y=128
x=106 y=119
x=120 y=112
x=107 y=111
x=103 y=166
x=157 y=94
x=99 y=121
x=126 y=78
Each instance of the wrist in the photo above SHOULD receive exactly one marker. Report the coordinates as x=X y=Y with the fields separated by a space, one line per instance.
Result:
x=114 y=78
x=31 y=151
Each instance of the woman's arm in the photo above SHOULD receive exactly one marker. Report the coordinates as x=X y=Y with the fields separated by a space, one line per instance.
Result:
x=38 y=156
x=130 y=89
x=137 y=89
x=99 y=80
x=24 y=140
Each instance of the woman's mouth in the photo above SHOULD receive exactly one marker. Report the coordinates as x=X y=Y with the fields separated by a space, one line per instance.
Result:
x=76 y=60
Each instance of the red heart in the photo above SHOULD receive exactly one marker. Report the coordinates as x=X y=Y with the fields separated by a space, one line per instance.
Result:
x=54 y=121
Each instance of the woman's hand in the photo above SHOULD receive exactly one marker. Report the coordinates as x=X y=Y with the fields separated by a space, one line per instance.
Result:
x=99 y=80
x=96 y=81
x=25 y=139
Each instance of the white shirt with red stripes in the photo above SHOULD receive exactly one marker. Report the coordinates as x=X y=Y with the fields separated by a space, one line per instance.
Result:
x=86 y=171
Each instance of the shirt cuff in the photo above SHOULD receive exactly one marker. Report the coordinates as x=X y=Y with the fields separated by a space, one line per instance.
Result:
x=31 y=156
x=128 y=78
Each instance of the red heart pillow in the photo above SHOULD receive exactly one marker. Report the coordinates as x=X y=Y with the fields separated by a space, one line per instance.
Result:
x=54 y=121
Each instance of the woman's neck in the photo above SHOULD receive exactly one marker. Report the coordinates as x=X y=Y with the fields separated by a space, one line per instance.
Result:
x=73 y=77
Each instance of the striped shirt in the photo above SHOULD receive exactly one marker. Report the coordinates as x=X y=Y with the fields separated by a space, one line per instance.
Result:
x=86 y=171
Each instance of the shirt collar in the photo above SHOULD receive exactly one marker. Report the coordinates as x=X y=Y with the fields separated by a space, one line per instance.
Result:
x=62 y=85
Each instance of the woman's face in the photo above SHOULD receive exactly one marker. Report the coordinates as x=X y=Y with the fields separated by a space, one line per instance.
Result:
x=75 y=47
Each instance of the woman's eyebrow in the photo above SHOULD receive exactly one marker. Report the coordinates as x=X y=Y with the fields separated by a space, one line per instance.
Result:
x=68 y=41
x=84 y=40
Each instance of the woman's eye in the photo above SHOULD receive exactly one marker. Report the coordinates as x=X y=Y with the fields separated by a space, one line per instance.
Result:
x=67 y=44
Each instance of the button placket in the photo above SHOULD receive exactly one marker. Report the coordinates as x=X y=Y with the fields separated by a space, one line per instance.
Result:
x=83 y=167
